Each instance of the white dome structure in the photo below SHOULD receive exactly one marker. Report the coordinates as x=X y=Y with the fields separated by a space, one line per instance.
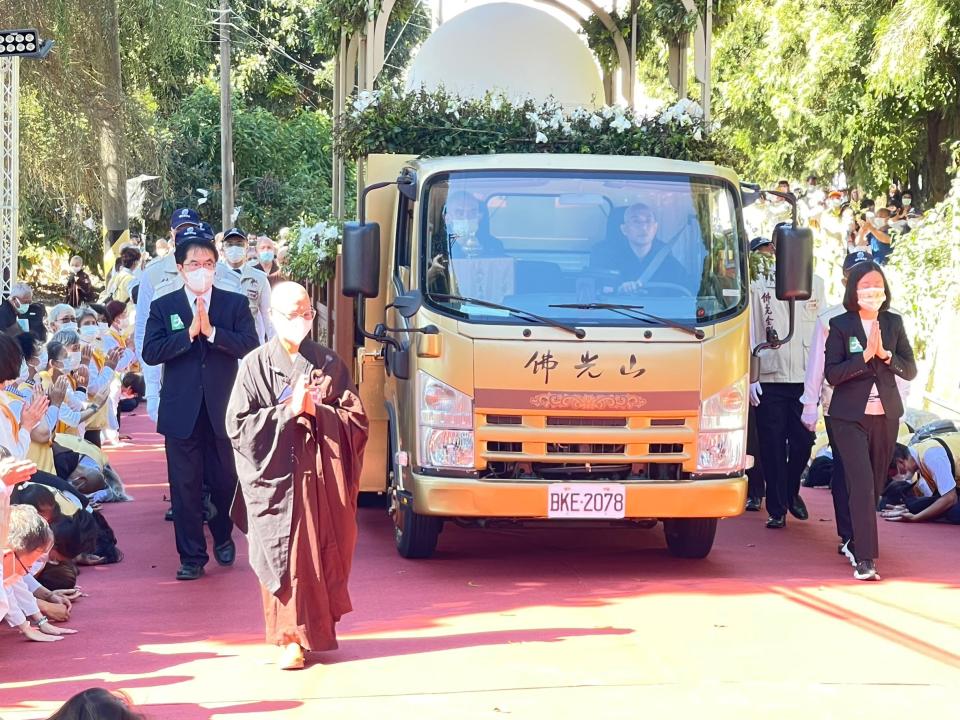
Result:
x=512 y=48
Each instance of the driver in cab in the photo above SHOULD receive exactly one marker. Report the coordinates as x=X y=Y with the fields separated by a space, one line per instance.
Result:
x=637 y=259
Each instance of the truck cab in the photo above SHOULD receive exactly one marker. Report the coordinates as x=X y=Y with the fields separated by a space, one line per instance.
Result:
x=552 y=339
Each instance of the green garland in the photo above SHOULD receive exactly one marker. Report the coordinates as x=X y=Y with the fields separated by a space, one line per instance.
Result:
x=433 y=124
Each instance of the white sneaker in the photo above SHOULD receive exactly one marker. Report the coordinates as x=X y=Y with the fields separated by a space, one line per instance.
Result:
x=866 y=570
x=847 y=550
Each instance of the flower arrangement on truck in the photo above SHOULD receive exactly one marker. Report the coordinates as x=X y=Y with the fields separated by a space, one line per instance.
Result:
x=552 y=306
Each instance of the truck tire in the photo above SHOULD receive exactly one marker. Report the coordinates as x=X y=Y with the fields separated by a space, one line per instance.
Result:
x=690 y=537
x=415 y=535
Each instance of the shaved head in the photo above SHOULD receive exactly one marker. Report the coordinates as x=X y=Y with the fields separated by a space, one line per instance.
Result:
x=288 y=296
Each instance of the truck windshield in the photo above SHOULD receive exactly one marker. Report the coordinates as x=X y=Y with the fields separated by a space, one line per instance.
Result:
x=539 y=241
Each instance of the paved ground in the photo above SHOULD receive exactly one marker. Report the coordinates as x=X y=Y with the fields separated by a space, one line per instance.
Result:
x=522 y=624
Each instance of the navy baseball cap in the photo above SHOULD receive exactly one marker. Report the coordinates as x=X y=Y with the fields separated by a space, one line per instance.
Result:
x=184 y=216
x=193 y=232
x=759 y=242
x=855 y=258
x=235 y=232
x=207 y=228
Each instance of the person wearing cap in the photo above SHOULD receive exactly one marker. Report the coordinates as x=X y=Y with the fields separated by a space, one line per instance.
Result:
x=254 y=282
x=198 y=333
x=160 y=277
x=818 y=392
x=785 y=443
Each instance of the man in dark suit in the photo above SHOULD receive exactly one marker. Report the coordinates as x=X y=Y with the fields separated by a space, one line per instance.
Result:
x=198 y=333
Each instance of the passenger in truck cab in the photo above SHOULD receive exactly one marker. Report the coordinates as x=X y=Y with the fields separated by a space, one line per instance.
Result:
x=635 y=258
x=465 y=234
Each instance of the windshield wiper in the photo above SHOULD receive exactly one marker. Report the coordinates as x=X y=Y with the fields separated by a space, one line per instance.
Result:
x=635 y=312
x=516 y=312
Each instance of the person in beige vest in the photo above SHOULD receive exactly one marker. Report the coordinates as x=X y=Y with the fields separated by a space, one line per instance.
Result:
x=785 y=443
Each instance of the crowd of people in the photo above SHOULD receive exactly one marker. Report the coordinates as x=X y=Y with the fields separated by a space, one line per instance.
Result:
x=67 y=376
x=844 y=219
x=202 y=334
x=845 y=371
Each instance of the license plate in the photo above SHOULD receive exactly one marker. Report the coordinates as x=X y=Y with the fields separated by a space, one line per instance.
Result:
x=586 y=501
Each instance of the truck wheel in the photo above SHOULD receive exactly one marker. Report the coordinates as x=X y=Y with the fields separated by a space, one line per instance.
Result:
x=690 y=537
x=415 y=535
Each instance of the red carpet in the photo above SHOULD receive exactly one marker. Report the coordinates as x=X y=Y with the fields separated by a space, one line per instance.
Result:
x=537 y=623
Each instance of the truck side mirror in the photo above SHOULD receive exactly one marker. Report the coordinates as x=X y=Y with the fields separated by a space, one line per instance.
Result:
x=794 y=268
x=361 y=260
x=409 y=303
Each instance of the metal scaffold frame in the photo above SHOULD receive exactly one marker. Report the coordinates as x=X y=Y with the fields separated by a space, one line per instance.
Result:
x=9 y=171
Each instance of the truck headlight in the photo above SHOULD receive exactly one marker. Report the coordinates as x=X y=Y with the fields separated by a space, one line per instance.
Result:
x=446 y=425
x=721 y=444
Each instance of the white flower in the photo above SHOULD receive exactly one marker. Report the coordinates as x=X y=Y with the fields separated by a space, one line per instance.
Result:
x=698 y=134
x=685 y=120
x=579 y=113
x=534 y=118
x=620 y=123
x=607 y=111
x=496 y=102
x=596 y=122
x=567 y=128
x=366 y=99
x=541 y=138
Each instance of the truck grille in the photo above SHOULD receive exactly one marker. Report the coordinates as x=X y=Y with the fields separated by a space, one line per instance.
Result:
x=557 y=439
x=586 y=422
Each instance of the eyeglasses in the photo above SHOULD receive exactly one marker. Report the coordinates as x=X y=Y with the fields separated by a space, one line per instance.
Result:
x=23 y=567
x=194 y=265
x=640 y=221
x=306 y=315
x=67 y=319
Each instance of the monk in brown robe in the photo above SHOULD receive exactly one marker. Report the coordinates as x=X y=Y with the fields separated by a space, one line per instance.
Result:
x=298 y=431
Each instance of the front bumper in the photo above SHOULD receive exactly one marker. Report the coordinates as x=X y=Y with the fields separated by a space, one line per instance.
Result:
x=453 y=497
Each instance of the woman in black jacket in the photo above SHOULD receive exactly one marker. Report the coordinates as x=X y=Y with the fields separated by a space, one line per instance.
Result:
x=867 y=347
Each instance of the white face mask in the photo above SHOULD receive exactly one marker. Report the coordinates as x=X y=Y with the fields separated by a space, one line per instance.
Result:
x=69 y=326
x=234 y=254
x=104 y=328
x=199 y=280
x=266 y=256
x=24 y=371
x=89 y=334
x=44 y=360
x=871 y=298
x=291 y=330
x=72 y=361
x=907 y=202
x=462 y=228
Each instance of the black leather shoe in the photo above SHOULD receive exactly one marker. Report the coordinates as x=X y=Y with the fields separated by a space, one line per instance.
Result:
x=168 y=516
x=753 y=504
x=776 y=522
x=189 y=571
x=225 y=553
x=798 y=508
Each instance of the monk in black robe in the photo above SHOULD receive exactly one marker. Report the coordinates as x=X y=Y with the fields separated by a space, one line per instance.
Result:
x=298 y=431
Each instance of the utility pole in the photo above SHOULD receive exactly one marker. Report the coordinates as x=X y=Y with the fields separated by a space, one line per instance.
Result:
x=226 y=120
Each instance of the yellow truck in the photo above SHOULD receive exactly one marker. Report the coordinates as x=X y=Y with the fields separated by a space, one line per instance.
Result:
x=555 y=339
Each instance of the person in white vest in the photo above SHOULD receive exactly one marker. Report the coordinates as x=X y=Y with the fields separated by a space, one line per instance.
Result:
x=785 y=443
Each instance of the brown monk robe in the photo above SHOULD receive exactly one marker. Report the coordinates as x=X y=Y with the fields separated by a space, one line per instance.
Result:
x=299 y=476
